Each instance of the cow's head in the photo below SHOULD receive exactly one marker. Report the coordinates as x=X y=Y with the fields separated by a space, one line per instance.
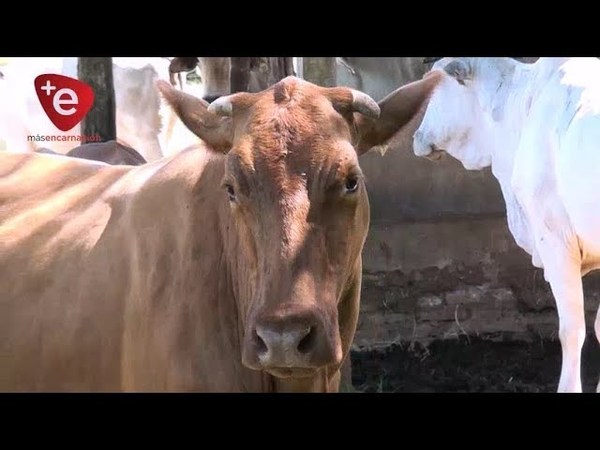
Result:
x=298 y=206
x=215 y=74
x=456 y=115
x=215 y=77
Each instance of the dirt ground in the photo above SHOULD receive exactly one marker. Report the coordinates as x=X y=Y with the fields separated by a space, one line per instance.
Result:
x=470 y=365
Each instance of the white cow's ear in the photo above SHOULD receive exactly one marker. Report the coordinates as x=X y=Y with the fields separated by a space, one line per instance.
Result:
x=458 y=69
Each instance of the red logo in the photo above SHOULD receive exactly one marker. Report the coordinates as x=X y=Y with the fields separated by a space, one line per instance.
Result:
x=65 y=99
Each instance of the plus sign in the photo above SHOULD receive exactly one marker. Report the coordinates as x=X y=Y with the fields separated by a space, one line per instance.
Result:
x=48 y=87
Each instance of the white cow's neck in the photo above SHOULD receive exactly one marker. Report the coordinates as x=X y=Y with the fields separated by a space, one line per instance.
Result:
x=507 y=93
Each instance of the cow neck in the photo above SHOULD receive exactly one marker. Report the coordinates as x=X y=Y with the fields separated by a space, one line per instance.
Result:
x=510 y=108
x=199 y=228
x=509 y=111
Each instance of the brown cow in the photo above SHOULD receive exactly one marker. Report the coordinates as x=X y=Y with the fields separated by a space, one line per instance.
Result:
x=47 y=151
x=110 y=152
x=233 y=268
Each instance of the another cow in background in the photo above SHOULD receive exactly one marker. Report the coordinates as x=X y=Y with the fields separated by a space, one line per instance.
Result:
x=144 y=122
x=110 y=152
x=538 y=127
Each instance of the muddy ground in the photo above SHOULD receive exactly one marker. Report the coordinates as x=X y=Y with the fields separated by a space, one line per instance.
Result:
x=470 y=365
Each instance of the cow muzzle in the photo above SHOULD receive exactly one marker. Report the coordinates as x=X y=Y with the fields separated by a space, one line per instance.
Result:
x=292 y=344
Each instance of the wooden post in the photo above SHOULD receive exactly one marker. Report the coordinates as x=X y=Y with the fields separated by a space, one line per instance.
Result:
x=98 y=73
x=257 y=74
x=320 y=71
x=280 y=68
x=240 y=74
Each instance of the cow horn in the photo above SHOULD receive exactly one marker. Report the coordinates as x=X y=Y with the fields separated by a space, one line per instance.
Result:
x=364 y=104
x=222 y=106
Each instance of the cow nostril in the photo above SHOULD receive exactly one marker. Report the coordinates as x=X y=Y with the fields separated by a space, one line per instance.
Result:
x=261 y=347
x=307 y=342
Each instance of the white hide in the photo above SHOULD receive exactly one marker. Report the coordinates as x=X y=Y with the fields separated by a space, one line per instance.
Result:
x=538 y=126
x=144 y=121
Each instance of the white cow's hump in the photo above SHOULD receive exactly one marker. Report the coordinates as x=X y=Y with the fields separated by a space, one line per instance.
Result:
x=581 y=77
x=557 y=162
x=582 y=72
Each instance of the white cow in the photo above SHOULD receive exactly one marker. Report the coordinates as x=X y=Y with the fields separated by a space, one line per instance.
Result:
x=144 y=121
x=538 y=127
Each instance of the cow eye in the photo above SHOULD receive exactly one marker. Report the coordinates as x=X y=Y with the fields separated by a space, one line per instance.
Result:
x=351 y=184
x=230 y=192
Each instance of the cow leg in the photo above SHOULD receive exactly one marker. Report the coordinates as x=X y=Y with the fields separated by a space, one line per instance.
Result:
x=568 y=293
x=563 y=271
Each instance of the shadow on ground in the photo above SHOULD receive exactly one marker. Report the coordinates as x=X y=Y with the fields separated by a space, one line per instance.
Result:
x=470 y=365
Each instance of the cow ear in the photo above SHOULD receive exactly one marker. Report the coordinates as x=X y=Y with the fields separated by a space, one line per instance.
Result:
x=216 y=130
x=182 y=64
x=400 y=112
x=459 y=70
